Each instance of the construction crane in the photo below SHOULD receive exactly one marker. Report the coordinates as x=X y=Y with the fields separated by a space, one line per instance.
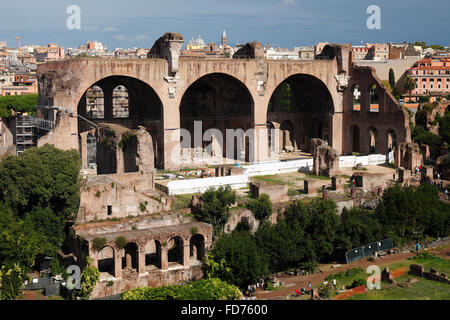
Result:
x=20 y=39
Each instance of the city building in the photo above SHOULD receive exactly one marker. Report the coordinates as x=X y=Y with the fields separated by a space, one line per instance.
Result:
x=50 y=53
x=306 y=53
x=283 y=54
x=431 y=75
x=360 y=53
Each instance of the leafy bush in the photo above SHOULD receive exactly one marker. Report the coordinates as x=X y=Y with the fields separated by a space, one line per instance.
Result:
x=244 y=262
x=89 y=279
x=143 y=206
x=261 y=207
x=98 y=243
x=206 y=289
x=268 y=285
x=422 y=136
x=121 y=242
x=325 y=291
x=358 y=282
x=215 y=207
x=424 y=256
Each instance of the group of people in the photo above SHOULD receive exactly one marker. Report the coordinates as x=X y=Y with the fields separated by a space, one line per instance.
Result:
x=303 y=291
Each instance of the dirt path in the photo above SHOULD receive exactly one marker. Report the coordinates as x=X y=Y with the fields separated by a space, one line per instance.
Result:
x=296 y=282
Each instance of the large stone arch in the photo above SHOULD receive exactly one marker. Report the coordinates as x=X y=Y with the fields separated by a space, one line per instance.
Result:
x=197 y=246
x=106 y=259
x=144 y=108
x=221 y=102
x=312 y=109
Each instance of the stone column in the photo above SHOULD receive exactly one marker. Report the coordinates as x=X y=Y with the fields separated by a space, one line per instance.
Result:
x=95 y=260
x=128 y=261
x=171 y=133
x=117 y=265
x=337 y=129
x=108 y=102
x=83 y=136
x=164 y=258
x=141 y=261
x=186 y=254
x=120 y=158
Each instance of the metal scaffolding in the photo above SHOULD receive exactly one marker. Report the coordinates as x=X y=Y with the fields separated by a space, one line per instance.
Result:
x=29 y=130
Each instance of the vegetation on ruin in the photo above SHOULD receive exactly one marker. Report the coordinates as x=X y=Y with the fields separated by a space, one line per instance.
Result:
x=205 y=289
x=215 y=207
x=126 y=137
x=98 y=243
x=143 y=206
x=422 y=136
x=261 y=207
x=23 y=103
x=121 y=242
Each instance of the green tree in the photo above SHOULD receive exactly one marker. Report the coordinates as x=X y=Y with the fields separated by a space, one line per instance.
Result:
x=409 y=85
x=261 y=207
x=40 y=178
x=12 y=277
x=358 y=227
x=422 y=136
x=392 y=78
x=444 y=126
x=215 y=207
x=23 y=103
x=285 y=244
x=408 y=213
x=241 y=255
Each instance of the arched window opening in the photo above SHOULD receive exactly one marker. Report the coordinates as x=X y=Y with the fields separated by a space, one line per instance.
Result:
x=120 y=102
x=374 y=98
x=95 y=103
x=356 y=98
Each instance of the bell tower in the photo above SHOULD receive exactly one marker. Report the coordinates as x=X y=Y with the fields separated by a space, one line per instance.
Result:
x=224 y=39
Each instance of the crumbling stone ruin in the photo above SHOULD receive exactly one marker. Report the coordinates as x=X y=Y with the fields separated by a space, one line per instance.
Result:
x=124 y=117
x=168 y=47
x=276 y=193
x=418 y=270
x=408 y=155
x=325 y=158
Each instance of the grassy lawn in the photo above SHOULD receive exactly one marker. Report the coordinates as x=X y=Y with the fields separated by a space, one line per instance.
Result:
x=181 y=201
x=271 y=180
x=422 y=290
x=314 y=177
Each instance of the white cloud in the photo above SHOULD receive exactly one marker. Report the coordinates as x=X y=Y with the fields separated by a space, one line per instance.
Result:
x=109 y=29
x=141 y=37
x=289 y=2
x=120 y=37
x=91 y=28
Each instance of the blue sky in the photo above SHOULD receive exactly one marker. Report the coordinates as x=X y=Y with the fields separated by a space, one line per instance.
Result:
x=285 y=23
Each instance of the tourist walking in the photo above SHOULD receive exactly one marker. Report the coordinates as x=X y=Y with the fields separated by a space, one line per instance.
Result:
x=417 y=247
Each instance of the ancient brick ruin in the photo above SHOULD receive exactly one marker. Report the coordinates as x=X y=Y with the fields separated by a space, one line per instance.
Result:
x=127 y=117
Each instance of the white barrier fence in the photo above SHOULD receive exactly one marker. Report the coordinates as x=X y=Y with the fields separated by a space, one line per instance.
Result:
x=201 y=185
x=266 y=168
